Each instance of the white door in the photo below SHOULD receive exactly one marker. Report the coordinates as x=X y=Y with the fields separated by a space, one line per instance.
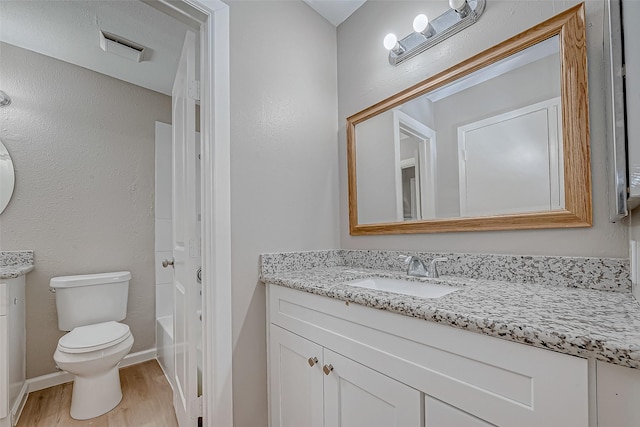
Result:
x=357 y=396
x=186 y=239
x=295 y=380
x=492 y=148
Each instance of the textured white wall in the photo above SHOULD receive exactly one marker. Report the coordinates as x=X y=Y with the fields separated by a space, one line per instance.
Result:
x=365 y=78
x=83 y=148
x=284 y=165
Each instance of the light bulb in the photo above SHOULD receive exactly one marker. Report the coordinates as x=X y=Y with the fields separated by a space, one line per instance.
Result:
x=420 y=23
x=457 y=4
x=390 y=41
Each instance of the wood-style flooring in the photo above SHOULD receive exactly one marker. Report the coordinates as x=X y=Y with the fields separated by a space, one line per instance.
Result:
x=146 y=401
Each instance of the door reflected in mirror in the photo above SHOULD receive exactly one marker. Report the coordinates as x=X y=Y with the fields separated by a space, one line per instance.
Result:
x=409 y=167
x=500 y=141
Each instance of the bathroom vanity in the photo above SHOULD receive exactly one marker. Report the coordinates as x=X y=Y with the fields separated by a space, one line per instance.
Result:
x=13 y=267
x=346 y=355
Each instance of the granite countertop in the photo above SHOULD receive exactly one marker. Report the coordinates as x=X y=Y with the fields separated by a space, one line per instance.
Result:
x=15 y=263
x=13 y=271
x=580 y=322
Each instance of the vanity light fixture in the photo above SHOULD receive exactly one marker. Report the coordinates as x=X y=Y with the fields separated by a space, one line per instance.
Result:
x=391 y=43
x=462 y=13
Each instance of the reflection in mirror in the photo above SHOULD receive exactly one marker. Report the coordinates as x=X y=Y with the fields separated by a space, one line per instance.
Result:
x=500 y=141
x=7 y=177
x=495 y=134
x=410 y=168
x=415 y=145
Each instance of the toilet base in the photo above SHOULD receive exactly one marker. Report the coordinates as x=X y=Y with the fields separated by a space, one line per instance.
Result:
x=96 y=395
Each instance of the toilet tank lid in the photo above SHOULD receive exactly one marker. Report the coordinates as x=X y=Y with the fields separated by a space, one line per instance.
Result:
x=89 y=279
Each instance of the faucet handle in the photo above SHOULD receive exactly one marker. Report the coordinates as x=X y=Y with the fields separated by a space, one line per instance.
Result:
x=433 y=269
x=405 y=258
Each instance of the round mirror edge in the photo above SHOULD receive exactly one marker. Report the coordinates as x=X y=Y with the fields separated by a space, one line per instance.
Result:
x=7 y=175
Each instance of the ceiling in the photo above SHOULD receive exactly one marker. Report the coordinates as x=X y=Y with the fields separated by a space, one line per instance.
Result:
x=335 y=11
x=70 y=31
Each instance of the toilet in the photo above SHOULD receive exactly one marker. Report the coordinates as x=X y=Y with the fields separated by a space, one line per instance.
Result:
x=90 y=307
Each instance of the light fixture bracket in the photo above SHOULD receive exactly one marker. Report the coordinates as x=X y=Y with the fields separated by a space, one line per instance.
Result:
x=443 y=27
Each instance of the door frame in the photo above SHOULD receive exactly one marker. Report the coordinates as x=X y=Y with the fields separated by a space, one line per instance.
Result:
x=427 y=165
x=211 y=19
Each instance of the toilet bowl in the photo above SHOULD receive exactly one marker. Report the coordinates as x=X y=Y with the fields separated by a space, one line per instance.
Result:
x=92 y=354
x=90 y=307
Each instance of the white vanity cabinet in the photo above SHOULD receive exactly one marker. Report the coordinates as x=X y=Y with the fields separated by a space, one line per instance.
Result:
x=314 y=386
x=12 y=348
x=415 y=372
x=618 y=390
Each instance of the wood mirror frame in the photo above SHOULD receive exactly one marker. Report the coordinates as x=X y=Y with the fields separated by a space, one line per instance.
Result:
x=570 y=27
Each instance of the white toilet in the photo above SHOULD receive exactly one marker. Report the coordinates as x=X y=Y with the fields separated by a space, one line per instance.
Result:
x=90 y=306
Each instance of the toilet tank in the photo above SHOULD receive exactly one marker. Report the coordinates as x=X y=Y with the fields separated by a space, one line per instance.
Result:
x=90 y=298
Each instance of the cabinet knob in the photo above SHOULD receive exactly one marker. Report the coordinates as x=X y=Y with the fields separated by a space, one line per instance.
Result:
x=312 y=361
x=167 y=262
x=327 y=369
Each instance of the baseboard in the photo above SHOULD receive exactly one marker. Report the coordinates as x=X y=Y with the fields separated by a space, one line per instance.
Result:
x=139 y=357
x=49 y=380
x=21 y=399
x=57 y=378
x=169 y=379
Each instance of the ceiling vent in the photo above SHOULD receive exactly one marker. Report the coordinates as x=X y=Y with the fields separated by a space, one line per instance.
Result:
x=122 y=47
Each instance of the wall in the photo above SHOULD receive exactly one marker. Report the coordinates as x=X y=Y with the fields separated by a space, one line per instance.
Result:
x=421 y=109
x=283 y=166
x=365 y=78
x=83 y=148
x=377 y=169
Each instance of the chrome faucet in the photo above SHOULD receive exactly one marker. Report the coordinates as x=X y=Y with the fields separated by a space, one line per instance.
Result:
x=416 y=267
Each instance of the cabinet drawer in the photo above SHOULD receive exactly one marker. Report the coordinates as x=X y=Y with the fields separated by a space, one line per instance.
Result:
x=495 y=380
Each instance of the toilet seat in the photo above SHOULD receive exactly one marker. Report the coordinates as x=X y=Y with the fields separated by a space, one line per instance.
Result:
x=99 y=336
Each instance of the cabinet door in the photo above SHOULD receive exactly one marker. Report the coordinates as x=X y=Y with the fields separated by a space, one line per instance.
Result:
x=618 y=394
x=17 y=337
x=357 y=396
x=440 y=414
x=4 y=381
x=296 y=380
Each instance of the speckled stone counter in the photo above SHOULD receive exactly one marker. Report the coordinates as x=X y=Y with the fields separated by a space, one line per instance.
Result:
x=15 y=263
x=572 y=320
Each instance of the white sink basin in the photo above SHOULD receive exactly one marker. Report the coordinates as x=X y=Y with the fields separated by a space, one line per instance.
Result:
x=405 y=287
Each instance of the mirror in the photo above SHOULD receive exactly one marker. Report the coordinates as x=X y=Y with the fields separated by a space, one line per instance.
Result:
x=499 y=141
x=7 y=177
